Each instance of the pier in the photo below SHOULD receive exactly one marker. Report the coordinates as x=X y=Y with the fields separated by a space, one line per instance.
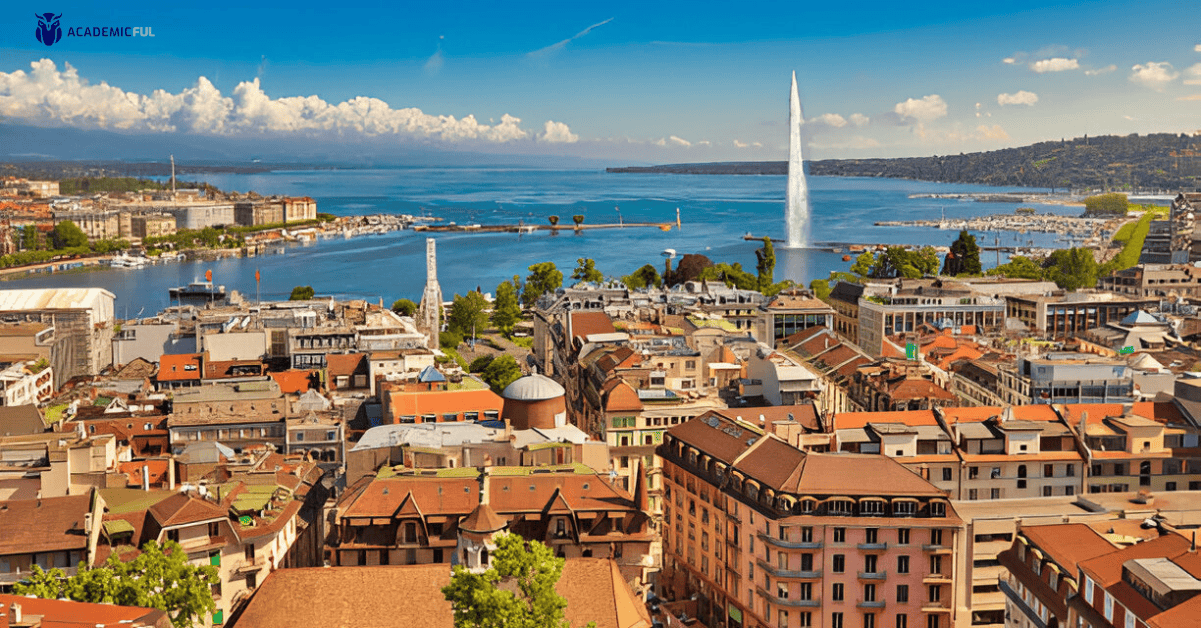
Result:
x=662 y=226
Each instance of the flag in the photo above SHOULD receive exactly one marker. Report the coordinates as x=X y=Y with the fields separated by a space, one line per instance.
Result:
x=208 y=275
x=257 y=276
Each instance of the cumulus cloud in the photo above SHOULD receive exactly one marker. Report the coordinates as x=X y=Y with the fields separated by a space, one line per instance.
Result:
x=994 y=132
x=740 y=144
x=1021 y=98
x=1192 y=75
x=1154 y=74
x=1105 y=70
x=551 y=50
x=1054 y=64
x=46 y=94
x=858 y=119
x=924 y=109
x=828 y=119
x=679 y=141
x=1189 y=97
x=1197 y=48
x=558 y=133
x=1009 y=60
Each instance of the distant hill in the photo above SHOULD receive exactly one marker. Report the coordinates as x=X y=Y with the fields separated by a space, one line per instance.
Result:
x=1160 y=161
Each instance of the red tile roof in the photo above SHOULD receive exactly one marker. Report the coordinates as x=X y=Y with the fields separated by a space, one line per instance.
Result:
x=67 y=614
x=439 y=402
x=182 y=509
x=50 y=524
x=1068 y=544
x=587 y=323
x=293 y=381
x=175 y=368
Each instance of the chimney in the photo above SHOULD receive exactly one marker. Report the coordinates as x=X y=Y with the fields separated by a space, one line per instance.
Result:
x=145 y=477
x=1193 y=547
x=483 y=485
x=16 y=613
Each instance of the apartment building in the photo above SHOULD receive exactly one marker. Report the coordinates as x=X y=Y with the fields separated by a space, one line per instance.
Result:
x=1064 y=315
x=760 y=533
x=1064 y=377
x=905 y=307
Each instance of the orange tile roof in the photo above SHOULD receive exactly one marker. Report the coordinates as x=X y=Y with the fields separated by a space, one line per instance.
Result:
x=157 y=471
x=344 y=364
x=856 y=420
x=64 y=613
x=182 y=509
x=1107 y=569
x=293 y=381
x=431 y=496
x=1032 y=412
x=1068 y=544
x=173 y=368
x=439 y=402
x=50 y=524
x=587 y=323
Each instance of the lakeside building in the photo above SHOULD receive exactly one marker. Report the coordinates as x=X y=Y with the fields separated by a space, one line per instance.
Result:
x=98 y=224
x=151 y=225
x=415 y=516
x=1064 y=377
x=1154 y=280
x=908 y=304
x=25 y=187
x=790 y=312
x=1063 y=315
x=81 y=318
x=764 y=534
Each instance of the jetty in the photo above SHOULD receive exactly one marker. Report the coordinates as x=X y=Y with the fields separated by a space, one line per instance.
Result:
x=523 y=228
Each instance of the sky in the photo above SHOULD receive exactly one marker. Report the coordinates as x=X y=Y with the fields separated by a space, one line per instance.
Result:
x=662 y=82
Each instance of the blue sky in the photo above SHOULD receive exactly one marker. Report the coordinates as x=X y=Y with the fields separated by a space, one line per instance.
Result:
x=647 y=82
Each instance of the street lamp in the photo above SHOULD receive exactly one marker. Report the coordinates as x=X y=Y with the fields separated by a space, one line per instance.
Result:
x=619 y=220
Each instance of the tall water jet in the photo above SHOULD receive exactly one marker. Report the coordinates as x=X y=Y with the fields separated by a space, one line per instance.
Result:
x=796 y=199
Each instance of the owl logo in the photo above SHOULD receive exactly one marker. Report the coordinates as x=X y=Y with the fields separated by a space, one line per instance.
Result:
x=48 y=30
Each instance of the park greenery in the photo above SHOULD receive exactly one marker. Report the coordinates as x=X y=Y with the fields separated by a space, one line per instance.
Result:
x=516 y=591
x=301 y=293
x=89 y=185
x=544 y=278
x=500 y=372
x=468 y=317
x=160 y=577
x=1112 y=204
x=506 y=310
x=964 y=256
x=404 y=307
x=585 y=270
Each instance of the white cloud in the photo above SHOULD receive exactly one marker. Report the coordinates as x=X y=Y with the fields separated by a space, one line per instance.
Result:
x=1189 y=97
x=434 y=64
x=740 y=144
x=1130 y=118
x=660 y=142
x=858 y=119
x=1105 y=70
x=994 y=132
x=925 y=109
x=557 y=132
x=704 y=143
x=757 y=144
x=1197 y=48
x=1154 y=74
x=1192 y=75
x=1054 y=64
x=543 y=53
x=1021 y=98
x=46 y=94
x=679 y=141
x=1009 y=60
x=828 y=119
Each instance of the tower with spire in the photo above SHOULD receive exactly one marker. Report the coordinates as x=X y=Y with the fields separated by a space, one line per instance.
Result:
x=430 y=310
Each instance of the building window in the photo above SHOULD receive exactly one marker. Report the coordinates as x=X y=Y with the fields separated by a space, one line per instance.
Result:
x=1108 y=606
x=869 y=619
x=836 y=620
x=804 y=619
x=840 y=535
x=936 y=537
x=902 y=564
x=836 y=592
x=972 y=474
x=839 y=564
x=932 y=621
x=903 y=536
x=946 y=474
x=872 y=535
x=806 y=590
x=807 y=534
x=869 y=593
x=902 y=620
x=972 y=495
x=902 y=593
x=935 y=592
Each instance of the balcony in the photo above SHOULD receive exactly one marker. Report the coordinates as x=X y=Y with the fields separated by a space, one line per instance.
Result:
x=870 y=604
x=936 y=607
x=936 y=578
x=788 y=573
x=873 y=575
x=783 y=601
x=873 y=547
x=773 y=541
x=936 y=549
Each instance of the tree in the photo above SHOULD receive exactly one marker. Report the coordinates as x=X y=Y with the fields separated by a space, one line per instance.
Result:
x=30 y=239
x=732 y=275
x=1072 y=269
x=767 y=263
x=468 y=316
x=449 y=339
x=864 y=264
x=644 y=277
x=480 y=364
x=1019 y=267
x=585 y=270
x=517 y=590
x=578 y=219
x=820 y=288
x=301 y=293
x=1115 y=203
x=964 y=258
x=160 y=577
x=501 y=372
x=506 y=312
x=554 y=220
x=689 y=269
x=543 y=278
x=404 y=307
x=67 y=235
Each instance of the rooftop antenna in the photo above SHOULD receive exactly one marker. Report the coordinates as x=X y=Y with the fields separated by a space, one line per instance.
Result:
x=172 y=177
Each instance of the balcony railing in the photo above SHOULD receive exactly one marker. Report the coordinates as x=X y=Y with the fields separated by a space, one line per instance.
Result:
x=873 y=546
x=788 y=573
x=871 y=604
x=771 y=540
x=783 y=601
x=936 y=607
x=873 y=575
x=938 y=549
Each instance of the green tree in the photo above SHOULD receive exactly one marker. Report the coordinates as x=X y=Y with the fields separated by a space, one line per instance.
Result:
x=820 y=288
x=404 y=307
x=301 y=293
x=67 y=234
x=501 y=372
x=578 y=219
x=1072 y=269
x=517 y=590
x=925 y=260
x=732 y=275
x=864 y=264
x=469 y=315
x=450 y=339
x=1018 y=267
x=554 y=220
x=506 y=312
x=480 y=364
x=30 y=238
x=1115 y=203
x=160 y=577
x=585 y=270
x=645 y=277
x=964 y=258
x=543 y=278
x=767 y=263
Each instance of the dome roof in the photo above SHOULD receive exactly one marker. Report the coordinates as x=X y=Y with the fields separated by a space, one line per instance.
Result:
x=535 y=387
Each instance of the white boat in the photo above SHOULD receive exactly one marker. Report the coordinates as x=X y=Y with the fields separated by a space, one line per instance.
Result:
x=127 y=261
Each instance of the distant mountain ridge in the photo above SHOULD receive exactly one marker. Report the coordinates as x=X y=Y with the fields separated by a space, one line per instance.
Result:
x=1160 y=161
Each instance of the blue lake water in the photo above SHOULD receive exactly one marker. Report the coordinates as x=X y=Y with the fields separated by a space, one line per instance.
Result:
x=716 y=212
